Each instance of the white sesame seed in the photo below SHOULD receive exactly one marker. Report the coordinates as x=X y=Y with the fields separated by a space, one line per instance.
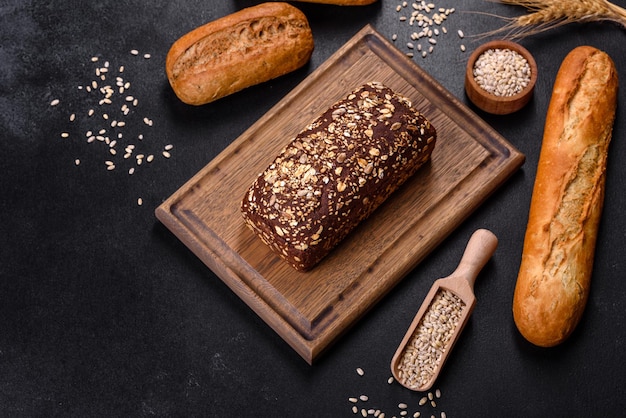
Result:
x=462 y=48
x=131 y=170
x=94 y=59
x=139 y=201
x=359 y=370
x=355 y=410
x=364 y=398
x=72 y=117
x=390 y=380
x=166 y=154
x=77 y=161
x=168 y=147
x=146 y=56
x=353 y=400
x=460 y=33
x=402 y=405
x=55 y=102
x=65 y=135
x=150 y=158
x=134 y=52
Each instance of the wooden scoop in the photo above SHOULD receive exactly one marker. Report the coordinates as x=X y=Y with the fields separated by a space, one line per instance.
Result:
x=441 y=318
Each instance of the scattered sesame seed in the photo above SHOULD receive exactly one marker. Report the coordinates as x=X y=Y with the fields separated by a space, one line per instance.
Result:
x=139 y=201
x=55 y=102
x=146 y=56
x=72 y=117
x=77 y=161
x=166 y=154
x=359 y=370
x=364 y=398
x=134 y=52
x=390 y=380
x=65 y=135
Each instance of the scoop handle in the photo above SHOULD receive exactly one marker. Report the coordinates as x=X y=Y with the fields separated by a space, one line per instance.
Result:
x=480 y=247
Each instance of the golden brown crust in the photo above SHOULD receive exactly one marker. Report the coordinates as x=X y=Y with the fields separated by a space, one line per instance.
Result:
x=554 y=278
x=237 y=51
x=342 y=2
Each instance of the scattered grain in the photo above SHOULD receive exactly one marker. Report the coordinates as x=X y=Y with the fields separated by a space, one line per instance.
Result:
x=359 y=370
x=55 y=102
x=139 y=201
x=77 y=161
x=134 y=52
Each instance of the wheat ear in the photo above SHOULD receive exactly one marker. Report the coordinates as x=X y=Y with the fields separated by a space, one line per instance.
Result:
x=549 y=14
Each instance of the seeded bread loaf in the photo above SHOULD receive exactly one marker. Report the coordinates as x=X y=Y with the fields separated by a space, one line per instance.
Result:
x=237 y=51
x=557 y=259
x=336 y=172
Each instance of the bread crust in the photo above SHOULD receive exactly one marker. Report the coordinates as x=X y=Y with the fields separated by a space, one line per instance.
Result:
x=342 y=2
x=336 y=172
x=245 y=48
x=554 y=278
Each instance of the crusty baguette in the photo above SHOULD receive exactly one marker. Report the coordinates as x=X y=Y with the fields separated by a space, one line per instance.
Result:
x=554 y=278
x=342 y=2
x=237 y=51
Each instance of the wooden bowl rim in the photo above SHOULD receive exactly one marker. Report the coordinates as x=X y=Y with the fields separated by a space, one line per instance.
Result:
x=491 y=98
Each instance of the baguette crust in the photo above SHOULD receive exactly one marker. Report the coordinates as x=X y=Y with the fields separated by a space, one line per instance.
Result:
x=237 y=51
x=557 y=260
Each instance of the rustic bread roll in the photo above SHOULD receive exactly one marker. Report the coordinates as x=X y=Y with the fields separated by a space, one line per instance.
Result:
x=335 y=172
x=240 y=50
x=341 y=2
x=554 y=277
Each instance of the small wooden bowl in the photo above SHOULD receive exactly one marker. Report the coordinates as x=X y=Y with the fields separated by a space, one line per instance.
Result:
x=499 y=105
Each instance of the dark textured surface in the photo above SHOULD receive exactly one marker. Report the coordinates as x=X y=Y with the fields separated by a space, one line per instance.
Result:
x=104 y=313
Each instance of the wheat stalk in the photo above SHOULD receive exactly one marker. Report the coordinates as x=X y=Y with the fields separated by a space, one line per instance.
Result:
x=549 y=14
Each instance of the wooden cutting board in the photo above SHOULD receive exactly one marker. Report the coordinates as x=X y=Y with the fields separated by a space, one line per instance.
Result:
x=311 y=310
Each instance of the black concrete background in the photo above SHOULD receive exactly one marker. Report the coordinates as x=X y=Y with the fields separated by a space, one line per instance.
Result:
x=104 y=313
